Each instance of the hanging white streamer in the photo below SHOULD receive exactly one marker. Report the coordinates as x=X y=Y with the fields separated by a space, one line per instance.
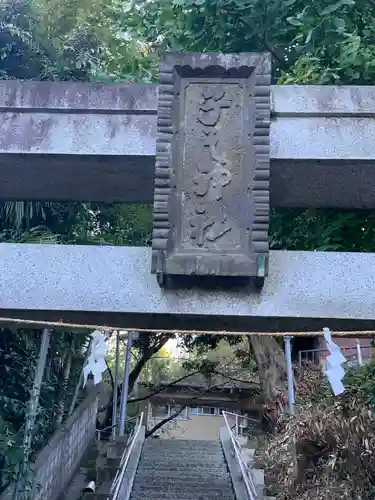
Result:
x=335 y=371
x=95 y=362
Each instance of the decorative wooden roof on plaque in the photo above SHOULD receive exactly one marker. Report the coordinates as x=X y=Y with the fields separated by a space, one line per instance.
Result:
x=211 y=199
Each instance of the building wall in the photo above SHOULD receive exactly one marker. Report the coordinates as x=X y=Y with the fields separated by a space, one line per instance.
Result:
x=189 y=426
x=349 y=349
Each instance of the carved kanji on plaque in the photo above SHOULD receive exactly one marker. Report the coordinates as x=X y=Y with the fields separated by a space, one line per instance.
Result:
x=211 y=202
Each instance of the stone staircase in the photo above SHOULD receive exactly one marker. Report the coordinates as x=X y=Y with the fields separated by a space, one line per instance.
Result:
x=167 y=470
x=183 y=470
x=100 y=465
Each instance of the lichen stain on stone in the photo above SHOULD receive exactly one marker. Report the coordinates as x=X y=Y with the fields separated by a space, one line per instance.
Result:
x=38 y=133
x=228 y=60
x=356 y=97
x=115 y=125
x=24 y=135
x=82 y=96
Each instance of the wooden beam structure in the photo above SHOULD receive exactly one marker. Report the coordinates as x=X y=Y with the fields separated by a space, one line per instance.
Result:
x=90 y=142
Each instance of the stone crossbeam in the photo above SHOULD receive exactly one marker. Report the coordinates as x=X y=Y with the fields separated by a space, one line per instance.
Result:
x=90 y=142
x=113 y=286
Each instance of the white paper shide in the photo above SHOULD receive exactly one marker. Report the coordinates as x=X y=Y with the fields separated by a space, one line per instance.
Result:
x=335 y=371
x=95 y=362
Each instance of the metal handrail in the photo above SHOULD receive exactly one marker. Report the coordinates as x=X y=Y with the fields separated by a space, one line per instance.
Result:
x=303 y=356
x=99 y=431
x=244 y=417
x=116 y=485
x=238 y=420
x=245 y=471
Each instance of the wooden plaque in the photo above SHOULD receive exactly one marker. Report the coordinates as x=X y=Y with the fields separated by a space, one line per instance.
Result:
x=211 y=199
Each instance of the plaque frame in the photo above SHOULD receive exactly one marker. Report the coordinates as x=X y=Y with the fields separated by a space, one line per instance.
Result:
x=171 y=256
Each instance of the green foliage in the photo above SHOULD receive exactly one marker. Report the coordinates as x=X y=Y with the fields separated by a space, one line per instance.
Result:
x=324 y=230
x=113 y=224
x=361 y=382
x=325 y=41
x=71 y=40
x=162 y=369
x=334 y=42
x=18 y=355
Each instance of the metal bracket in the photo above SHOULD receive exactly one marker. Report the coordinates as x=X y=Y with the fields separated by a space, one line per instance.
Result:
x=261 y=272
x=160 y=276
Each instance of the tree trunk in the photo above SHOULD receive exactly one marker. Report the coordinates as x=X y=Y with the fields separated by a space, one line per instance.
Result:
x=136 y=371
x=64 y=388
x=160 y=424
x=271 y=365
x=147 y=355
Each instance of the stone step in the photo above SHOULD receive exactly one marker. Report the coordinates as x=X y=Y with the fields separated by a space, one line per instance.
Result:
x=189 y=483
x=183 y=456
x=181 y=495
x=248 y=455
x=242 y=440
x=179 y=443
x=258 y=476
x=106 y=473
x=120 y=441
x=177 y=463
x=186 y=469
x=113 y=462
x=147 y=459
x=115 y=450
x=199 y=474
x=182 y=470
x=95 y=496
x=184 y=451
x=99 y=446
x=184 y=486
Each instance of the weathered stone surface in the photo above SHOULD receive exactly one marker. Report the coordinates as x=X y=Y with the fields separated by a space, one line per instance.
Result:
x=97 y=142
x=211 y=202
x=189 y=458
x=113 y=286
x=76 y=118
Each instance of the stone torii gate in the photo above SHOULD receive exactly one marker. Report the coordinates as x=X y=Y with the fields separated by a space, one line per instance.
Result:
x=227 y=146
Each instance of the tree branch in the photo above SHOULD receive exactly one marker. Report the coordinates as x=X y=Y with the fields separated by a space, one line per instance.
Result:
x=263 y=39
x=147 y=354
x=110 y=375
x=110 y=402
x=237 y=379
x=176 y=414
x=136 y=400
x=163 y=422
x=279 y=58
